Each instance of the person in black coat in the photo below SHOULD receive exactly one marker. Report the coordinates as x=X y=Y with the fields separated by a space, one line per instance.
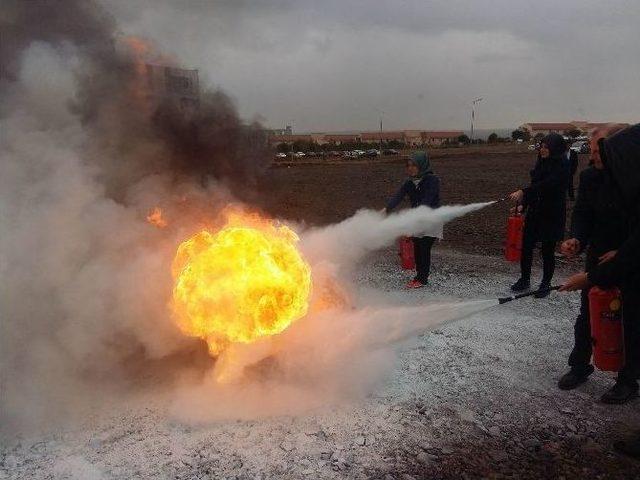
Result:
x=422 y=188
x=544 y=202
x=620 y=155
x=572 y=159
x=599 y=225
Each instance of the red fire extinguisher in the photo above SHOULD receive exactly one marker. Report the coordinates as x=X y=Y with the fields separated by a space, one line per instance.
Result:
x=605 y=315
x=405 y=251
x=513 y=247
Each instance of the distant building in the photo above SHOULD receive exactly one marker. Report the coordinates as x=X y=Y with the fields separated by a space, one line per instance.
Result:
x=376 y=137
x=587 y=127
x=414 y=138
x=288 y=130
x=289 y=139
x=178 y=84
x=411 y=138
x=341 y=138
x=434 y=138
x=546 y=128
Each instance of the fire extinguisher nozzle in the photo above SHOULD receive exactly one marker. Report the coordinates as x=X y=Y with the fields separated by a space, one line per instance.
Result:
x=504 y=300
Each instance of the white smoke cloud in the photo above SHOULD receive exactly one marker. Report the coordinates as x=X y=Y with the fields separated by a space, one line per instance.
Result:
x=85 y=281
x=348 y=241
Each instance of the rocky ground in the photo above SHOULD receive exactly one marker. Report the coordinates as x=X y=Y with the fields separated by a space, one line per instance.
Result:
x=474 y=399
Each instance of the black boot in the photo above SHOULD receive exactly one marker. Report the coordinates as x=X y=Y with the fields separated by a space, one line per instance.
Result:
x=575 y=377
x=521 y=285
x=543 y=290
x=620 y=393
x=629 y=447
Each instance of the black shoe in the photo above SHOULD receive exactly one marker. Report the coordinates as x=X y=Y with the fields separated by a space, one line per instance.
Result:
x=543 y=290
x=573 y=378
x=628 y=447
x=521 y=285
x=620 y=393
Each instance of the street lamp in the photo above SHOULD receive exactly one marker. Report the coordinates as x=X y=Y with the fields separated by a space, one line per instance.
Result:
x=473 y=113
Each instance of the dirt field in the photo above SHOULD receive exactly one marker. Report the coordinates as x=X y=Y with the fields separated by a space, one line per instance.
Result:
x=319 y=194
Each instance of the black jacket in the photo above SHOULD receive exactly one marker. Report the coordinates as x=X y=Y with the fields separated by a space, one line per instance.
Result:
x=598 y=221
x=545 y=198
x=621 y=158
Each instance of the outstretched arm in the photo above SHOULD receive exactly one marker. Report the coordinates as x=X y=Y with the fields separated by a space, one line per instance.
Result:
x=397 y=197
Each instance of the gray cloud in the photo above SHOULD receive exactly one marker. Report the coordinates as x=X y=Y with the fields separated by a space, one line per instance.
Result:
x=336 y=64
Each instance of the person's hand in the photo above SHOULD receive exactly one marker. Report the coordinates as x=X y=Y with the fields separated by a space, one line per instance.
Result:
x=516 y=196
x=384 y=211
x=570 y=248
x=579 y=281
x=607 y=257
x=518 y=209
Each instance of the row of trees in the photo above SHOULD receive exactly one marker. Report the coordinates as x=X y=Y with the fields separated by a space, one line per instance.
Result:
x=494 y=138
x=307 y=146
x=526 y=136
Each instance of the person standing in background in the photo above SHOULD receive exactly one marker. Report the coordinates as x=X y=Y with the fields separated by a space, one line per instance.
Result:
x=544 y=202
x=422 y=188
x=572 y=159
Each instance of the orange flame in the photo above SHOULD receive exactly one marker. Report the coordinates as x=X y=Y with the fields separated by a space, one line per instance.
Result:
x=241 y=283
x=156 y=219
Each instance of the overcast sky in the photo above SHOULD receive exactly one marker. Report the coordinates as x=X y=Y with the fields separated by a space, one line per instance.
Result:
x=336 y=64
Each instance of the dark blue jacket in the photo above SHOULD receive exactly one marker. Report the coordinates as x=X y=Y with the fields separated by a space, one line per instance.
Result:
x=427 y=192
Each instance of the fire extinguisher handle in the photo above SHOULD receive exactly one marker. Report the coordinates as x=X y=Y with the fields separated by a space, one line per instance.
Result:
x=527 y=294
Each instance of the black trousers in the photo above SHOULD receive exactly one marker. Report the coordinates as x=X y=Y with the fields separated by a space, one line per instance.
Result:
x=571 y=191
x=548 y=258
x=631 y=324
x=580 y=356
x=422 y=252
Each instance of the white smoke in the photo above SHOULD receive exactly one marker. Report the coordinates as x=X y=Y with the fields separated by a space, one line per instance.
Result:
x=348 y=241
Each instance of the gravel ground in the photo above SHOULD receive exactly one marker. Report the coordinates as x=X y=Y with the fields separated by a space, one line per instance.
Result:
x=474 y=399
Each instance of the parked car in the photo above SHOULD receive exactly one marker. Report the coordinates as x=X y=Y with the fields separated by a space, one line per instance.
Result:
x=533 y=146
x=299 y=154
x=390 y=151
x=281 y=155
x=372 y=153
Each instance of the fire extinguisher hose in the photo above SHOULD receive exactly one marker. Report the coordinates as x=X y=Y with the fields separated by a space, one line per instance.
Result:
x=527 y=294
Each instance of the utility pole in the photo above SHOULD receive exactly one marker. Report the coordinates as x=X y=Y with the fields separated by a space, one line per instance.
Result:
x=381 y=114
x=473 y=114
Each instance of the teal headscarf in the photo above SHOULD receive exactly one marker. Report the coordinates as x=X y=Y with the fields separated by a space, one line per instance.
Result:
x=421 y=159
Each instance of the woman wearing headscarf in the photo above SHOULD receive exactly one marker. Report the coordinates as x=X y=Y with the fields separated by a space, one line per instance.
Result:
x=422 y=188
x=544 y=203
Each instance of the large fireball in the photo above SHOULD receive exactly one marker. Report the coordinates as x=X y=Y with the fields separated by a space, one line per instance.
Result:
x=240 y=283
